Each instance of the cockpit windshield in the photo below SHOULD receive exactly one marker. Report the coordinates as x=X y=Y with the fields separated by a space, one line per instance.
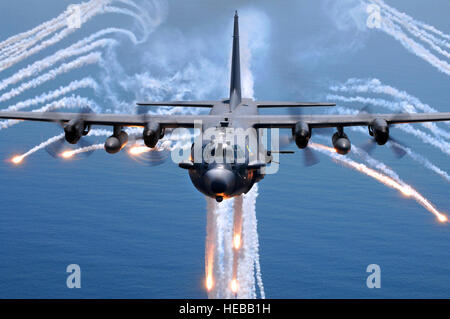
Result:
x=223 y=153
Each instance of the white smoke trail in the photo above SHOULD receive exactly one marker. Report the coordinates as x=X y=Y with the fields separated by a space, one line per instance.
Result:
x=87 y=149
x=441 y=145
x=375 y=86
x=390 y=181
x=66 y=102
x=388 y=26
x=20 y=42
x=97 y=7
x=416 y=157
x=393 y=106
x=63 y=90
x=224 y=254
x=91 y=58
x=44 y=26
x=418 y=24
x=426 y=138
x=424 y=161
x=249 y=266
x=150 y=14
x=128 y=13
x=246 y=262
x=41 y=146
x=148 y=25
x=431 y=41
x=26 y=39
x=78 y=48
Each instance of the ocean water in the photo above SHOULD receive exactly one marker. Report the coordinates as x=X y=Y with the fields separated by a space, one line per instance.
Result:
x=139 y=231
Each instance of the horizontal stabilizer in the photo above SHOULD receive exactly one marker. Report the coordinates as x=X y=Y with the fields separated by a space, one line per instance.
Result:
x=267 y=104
x=180 y=103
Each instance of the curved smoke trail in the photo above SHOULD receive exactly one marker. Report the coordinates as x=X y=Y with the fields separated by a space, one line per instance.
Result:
x=389 y=26
x=376 y=86
x=63 y=90
x=22 y=41
x=64 y=103
x=86 y=14
x=406 y=18
x=393 y=106
x=91 y=58
x=426 y=138
x=79 y=48
x=387 y=179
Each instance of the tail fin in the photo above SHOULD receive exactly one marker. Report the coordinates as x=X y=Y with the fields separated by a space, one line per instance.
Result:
x=235 y=85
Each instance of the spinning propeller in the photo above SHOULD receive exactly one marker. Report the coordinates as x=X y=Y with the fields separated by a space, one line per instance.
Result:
x=379 y=129
x=74 y=132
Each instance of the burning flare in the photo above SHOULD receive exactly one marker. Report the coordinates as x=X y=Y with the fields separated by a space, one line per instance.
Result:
x=237 y=241
x=67 y=154
x=17 y=159
x=138 y=150
x=234 y=285
x=402 y=187
x=209 y=282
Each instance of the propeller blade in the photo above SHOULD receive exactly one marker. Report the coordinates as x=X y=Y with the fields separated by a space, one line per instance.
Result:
x=56 y=148
x=285 y=140
x=369 y=146
x=155 y=157
x=86 y=110
x=397 y=147
x=86 y=143
x=367 y=109
x=146 y=156
x=309 y=158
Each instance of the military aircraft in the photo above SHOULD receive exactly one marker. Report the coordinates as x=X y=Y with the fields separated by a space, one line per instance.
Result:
x=221 y=180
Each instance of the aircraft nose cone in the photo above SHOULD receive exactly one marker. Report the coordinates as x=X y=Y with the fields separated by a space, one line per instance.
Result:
x=220 y=181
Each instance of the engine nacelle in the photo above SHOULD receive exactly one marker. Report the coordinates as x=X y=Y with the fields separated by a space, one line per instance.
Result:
x=74 y=130
x=115 y=143
x=301 y=133
x=379 y=129
x=341 y=143
x=152 y=133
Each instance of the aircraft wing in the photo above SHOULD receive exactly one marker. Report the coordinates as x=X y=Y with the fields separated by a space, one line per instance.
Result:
x=274 y=104
x=289 y=121
x=166 y=121
x=263 y=121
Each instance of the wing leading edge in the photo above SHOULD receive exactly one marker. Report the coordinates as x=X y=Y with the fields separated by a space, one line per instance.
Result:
x=289 y=121
x=166 y=121
x=259 y=121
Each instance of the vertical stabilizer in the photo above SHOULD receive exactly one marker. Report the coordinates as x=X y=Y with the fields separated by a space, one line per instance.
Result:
x=235 y=85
